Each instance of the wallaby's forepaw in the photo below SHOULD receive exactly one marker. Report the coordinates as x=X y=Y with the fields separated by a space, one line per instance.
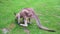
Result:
x=18 y=23
x=29 y=23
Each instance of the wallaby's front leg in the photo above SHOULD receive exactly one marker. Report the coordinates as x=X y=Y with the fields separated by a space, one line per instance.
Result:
x=18 y=18
x=29 y=21
x=25 y=23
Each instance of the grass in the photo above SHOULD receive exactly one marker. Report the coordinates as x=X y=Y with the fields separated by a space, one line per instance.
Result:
x=49 y=11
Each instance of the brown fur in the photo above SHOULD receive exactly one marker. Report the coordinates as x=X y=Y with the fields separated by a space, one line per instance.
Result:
x=28 y=13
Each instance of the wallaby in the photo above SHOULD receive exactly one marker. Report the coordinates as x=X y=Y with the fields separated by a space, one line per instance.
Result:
x=27 y=14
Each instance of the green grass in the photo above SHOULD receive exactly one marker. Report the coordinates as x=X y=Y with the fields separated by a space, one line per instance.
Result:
x=49 y=10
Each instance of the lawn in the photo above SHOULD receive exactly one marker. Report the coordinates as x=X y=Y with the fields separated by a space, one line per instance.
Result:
x=49 y=11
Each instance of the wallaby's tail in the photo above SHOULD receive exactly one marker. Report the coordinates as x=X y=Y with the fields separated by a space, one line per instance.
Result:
x=40 y=26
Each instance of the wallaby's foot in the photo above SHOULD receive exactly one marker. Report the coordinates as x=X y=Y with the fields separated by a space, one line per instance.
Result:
x=23 y=25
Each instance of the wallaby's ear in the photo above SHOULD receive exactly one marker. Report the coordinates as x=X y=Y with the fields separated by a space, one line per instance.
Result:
x=14 y=13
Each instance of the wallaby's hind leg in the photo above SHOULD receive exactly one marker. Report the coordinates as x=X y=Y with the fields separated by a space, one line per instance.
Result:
x=25 y=23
